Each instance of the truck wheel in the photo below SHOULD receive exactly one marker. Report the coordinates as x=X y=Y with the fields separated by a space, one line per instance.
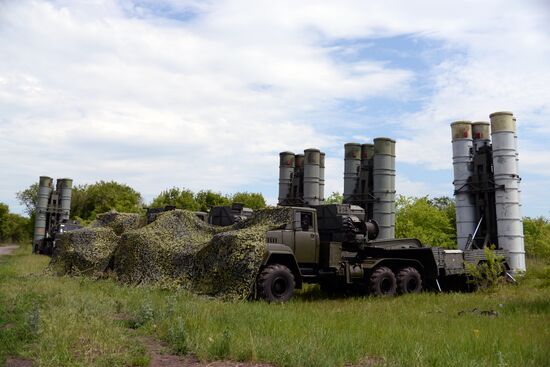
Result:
x=276 y=283
x=382 y=282
x=409 y=281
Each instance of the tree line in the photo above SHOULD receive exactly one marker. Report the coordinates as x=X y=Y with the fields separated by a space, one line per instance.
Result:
x=89 y=200
x=431 y=220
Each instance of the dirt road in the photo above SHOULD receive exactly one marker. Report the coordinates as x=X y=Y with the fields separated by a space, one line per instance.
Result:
x=8 y=250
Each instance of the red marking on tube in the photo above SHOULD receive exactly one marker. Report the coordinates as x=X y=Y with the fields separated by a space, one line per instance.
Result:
x=465 y=134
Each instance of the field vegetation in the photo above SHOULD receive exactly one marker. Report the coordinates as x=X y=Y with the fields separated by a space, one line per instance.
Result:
x=83 y=321
x=77 y=321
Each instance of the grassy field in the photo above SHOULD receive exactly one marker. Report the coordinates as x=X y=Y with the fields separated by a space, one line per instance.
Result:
x=67 y=321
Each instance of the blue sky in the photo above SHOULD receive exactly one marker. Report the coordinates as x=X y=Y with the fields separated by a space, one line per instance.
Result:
x=204 y=94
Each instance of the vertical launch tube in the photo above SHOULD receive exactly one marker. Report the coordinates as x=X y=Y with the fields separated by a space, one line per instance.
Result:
x=481 y=134
x=44 y=192
x=462 y=167
x=286 y=170
x=517 y=170
x=509 y=221
x=65 y=194
x=367 y=154
x=312 y=159
x=298 y=179
x=322 y=178
x=384 y=186
x=352 y=164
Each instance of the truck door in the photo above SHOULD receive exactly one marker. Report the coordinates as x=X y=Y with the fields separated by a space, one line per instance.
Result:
x=306 y=238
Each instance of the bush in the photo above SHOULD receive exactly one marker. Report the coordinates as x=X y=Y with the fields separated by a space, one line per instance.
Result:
x=487 y=274
x=13 y=227
x=537 y=237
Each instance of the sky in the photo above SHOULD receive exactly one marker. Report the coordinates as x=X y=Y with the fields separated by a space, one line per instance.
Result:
x=205 y=94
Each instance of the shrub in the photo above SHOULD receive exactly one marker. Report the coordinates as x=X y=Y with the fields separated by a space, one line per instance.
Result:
x=487 y=274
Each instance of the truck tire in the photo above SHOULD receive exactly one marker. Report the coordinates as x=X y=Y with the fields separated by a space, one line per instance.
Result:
x=409 y=281
x=382 y=282
x=276 y=283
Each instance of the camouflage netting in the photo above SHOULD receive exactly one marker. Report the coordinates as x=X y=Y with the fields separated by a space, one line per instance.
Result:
x=164 y=250
x=84 y=251
x=119 y=222
x=177 y=249
x=228 y=265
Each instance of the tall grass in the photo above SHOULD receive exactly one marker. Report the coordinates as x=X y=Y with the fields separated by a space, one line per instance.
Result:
x=77 y=321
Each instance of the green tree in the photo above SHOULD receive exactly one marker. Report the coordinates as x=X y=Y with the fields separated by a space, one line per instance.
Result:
x=13 y=227
x=419 y=218
x=537 y=237
x=29 y=198
x=334 y=198
x=250 y=200
x=447 y=205
x=208 y=198
x=180 y=198
x=90 y=200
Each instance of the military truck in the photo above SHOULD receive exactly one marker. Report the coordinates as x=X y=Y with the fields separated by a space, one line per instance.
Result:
x=335 y=247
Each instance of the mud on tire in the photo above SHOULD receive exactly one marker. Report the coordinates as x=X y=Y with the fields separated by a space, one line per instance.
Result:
x=275 y=283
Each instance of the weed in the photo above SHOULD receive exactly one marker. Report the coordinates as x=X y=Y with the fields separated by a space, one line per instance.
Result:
x=145 y=314
x=33 y=320
x=221 y=345
x=486 y=275
x=177 y=337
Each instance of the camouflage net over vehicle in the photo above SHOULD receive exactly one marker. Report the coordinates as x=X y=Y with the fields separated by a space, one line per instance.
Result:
x=228 y=265
x=84 y=251
x=176 y=250
x=119 y=222
x=162 y=251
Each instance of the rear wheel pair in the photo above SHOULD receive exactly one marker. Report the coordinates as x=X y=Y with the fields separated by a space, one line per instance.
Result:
x=383 y=281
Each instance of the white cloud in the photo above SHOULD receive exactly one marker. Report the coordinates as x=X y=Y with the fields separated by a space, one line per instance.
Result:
x=128 y=91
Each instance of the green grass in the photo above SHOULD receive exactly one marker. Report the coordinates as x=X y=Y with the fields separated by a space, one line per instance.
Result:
x=64 y=321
